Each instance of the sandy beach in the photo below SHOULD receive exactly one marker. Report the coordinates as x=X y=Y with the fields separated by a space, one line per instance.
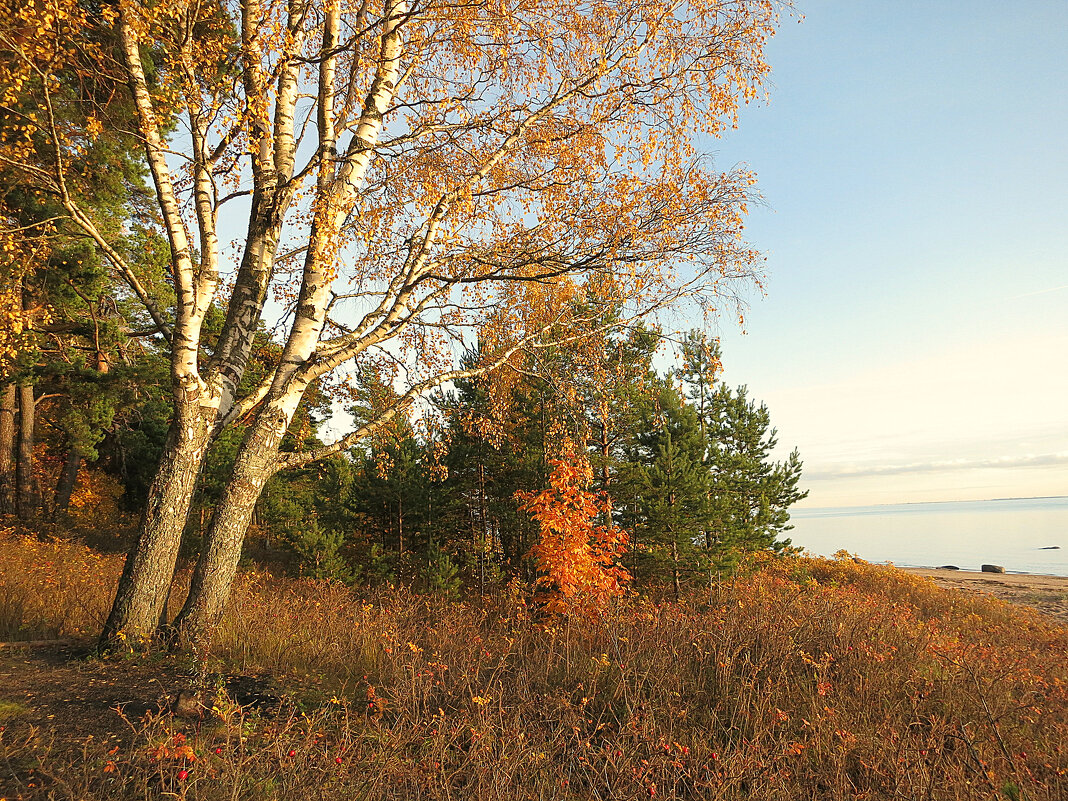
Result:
x=1048 y=594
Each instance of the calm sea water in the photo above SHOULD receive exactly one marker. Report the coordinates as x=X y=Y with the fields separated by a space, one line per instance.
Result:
x=1013 y=533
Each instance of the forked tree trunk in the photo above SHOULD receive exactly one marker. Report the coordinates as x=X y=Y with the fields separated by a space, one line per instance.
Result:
x=8 y=397
x=143 y=586
x=25 y=497
x=146 y=577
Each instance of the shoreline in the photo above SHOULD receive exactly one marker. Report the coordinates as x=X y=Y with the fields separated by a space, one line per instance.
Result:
x=1044 y=593
x=1013 y=576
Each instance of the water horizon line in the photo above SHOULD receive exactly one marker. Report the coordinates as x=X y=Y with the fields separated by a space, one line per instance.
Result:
x=800 y=509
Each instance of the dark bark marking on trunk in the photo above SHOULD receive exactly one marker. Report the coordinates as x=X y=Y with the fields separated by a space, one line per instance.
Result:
x=149 y=568
x=25 y=497
x=8 y=400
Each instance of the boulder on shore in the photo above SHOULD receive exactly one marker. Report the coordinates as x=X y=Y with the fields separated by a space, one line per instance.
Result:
x=992 y=569
x=949 y=567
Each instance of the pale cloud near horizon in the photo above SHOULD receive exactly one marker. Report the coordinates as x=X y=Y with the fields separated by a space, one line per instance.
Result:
x=982 y=420
x=1039 y=292
x=913 y=343
x=856 y=471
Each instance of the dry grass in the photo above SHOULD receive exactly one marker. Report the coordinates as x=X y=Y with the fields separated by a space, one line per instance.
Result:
x=52 y=589
x=804 y=679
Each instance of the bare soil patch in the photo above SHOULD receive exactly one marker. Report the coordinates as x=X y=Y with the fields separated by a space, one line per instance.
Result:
x=59 y=690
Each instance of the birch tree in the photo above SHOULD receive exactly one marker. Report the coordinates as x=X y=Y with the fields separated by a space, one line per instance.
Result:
x=389 y=182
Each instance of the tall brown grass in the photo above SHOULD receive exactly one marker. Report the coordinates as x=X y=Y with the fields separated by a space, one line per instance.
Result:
x=53 y=588
x=797 y=679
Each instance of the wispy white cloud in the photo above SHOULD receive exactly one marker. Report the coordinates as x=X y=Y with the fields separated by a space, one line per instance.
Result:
x=1039 y=292
x=982 y=419
x=856 y=471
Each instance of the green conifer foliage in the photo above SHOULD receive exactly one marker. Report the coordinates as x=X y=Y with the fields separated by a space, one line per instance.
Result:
x=750 y=493
x=669 y=514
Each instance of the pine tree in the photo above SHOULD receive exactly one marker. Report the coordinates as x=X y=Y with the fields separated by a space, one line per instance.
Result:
x=699 y=370
x=750 y=493
x=668 y=487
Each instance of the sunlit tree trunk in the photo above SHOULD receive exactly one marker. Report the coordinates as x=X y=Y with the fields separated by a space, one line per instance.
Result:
x=146 y=577
x=25 y=496
x=204 y=403
x=8 y=399
x=337 y=182
x=220 y=555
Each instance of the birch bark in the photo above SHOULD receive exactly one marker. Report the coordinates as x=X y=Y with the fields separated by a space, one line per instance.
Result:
x=337 y=183
x=480 y=171
x=200 y=399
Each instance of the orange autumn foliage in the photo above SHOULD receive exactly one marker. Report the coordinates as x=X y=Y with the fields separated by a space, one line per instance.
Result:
x=577 y=556
x=420 y=177
x=95 y=501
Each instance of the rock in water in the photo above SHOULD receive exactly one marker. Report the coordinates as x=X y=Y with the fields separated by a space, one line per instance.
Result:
x=1051 y=548
x=949 y=567
x=992 y=569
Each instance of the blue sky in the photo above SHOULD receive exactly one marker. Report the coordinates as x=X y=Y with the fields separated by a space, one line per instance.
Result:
x=913 y=340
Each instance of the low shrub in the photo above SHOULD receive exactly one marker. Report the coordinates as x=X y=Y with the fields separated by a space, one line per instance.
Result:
x=798 y=679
